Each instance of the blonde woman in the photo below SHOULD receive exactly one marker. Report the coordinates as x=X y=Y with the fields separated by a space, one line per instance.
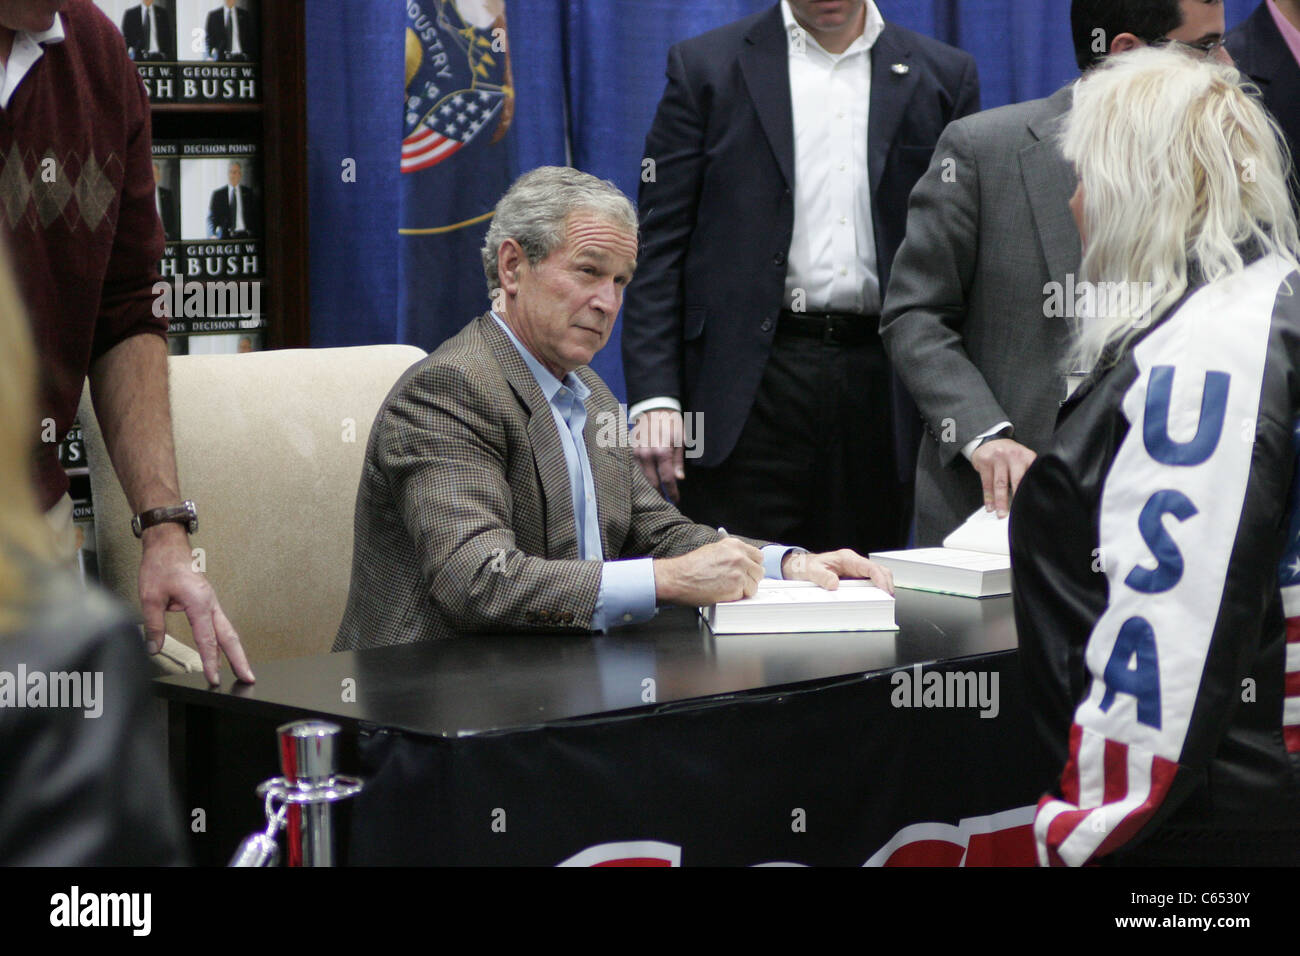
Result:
x=82 y=780
x=1154 y=544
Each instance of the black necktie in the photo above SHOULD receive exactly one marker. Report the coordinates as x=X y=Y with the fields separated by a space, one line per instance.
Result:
x=230 y=40
x=148 y=41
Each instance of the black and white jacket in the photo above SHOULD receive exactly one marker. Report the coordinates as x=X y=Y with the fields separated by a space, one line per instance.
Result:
x=1154 y=548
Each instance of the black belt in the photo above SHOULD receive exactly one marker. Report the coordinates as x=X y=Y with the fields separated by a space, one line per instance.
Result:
x=832 y=328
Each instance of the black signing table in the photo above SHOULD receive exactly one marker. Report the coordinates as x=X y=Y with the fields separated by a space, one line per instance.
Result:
x=657 y=742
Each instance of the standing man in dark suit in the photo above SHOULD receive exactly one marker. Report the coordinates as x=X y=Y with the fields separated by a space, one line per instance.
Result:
x=165 y=200
x=231 y=33
x=971 y=319
x=149 y=32
x=1266 y=47
x=233 y=212
x=773 y=197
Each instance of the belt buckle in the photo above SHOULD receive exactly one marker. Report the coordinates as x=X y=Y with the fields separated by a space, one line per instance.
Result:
x=831 y=335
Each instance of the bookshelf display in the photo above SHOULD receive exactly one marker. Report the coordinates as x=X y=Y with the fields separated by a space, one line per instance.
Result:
x=227 y=86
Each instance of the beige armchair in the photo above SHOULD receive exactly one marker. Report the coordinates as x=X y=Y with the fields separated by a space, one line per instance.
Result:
x=269 y=445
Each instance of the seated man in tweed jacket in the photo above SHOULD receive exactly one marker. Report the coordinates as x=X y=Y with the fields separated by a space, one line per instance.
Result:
x=499 y=491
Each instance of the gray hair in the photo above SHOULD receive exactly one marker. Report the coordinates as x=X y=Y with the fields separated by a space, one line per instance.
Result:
x=536 y=207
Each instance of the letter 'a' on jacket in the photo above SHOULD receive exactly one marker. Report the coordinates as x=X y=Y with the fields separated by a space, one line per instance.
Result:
x=1156 y=558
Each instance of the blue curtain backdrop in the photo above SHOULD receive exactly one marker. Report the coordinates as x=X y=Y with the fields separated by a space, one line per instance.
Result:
x=354 y=66
x=587 y=76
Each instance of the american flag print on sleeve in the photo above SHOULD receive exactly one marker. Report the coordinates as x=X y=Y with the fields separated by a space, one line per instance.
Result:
x=1170 y=520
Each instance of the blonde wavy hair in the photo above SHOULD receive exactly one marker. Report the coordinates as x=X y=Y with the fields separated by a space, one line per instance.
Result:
x=1181 y=169
x=25 y=537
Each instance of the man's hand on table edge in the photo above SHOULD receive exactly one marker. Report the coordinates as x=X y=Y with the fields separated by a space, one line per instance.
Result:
x=168 y=582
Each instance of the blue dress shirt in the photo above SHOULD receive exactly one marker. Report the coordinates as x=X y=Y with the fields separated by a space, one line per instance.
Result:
x=627 y=587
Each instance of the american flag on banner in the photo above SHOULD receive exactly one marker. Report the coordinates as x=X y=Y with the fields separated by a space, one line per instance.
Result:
x=447 y=127
x=1289 y=581
x=458 y=80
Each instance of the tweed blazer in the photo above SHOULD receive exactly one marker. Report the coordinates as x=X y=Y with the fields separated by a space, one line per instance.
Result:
x=464 y=519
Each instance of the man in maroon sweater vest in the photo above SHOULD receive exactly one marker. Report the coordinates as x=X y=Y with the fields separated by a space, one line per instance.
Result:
x=77 y=213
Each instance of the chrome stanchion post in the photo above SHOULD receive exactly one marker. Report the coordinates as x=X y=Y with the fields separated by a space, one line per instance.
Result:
x=299 y=801
x=307 y=762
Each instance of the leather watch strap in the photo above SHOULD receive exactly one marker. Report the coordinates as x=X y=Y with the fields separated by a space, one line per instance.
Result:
x=184 y=513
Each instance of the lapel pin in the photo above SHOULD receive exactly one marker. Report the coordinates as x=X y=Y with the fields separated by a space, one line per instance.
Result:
x=902 y=69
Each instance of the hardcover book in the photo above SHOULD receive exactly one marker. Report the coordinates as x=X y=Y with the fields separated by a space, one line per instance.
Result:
x=975 y=561
x=792 y=607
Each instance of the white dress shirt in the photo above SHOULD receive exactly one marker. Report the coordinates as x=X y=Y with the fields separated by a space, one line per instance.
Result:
x=237 y=210
x=151 y=34
x=235 y=41
x=27 y=49
x=833 y=249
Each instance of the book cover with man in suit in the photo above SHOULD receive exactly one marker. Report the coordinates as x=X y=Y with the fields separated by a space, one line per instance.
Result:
x=150 y=32
x=234 y=211
x=231 y=32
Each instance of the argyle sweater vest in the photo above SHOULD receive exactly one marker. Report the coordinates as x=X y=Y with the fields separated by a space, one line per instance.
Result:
x=77 y=214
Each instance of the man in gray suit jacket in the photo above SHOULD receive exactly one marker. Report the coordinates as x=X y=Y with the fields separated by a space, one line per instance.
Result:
x=970 y=319
x=499 y=492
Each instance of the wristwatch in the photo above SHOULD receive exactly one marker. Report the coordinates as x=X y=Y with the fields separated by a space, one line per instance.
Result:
x=184 y=513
